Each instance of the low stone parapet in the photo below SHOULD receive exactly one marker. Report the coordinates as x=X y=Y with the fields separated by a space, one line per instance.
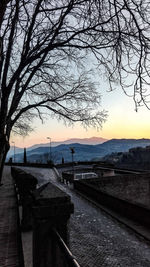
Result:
x=25 y=185
x=47 y=210
x=52 y=211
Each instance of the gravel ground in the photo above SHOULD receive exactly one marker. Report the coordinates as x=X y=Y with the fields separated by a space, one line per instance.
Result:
x=96 y=239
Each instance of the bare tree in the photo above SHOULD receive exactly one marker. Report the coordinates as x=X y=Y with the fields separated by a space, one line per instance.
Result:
x=44 y=45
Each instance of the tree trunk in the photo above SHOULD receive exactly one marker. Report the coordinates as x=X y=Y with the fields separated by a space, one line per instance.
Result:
x=3 y=5
x=4 y=147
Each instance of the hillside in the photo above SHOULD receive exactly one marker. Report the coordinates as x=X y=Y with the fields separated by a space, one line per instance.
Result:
x=87 y=141
x=82 y=152
x=41 y=154
x=123 y=145
x=136 y=158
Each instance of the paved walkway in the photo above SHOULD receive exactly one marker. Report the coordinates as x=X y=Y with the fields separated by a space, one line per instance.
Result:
x=96 y=239
x=9 y=237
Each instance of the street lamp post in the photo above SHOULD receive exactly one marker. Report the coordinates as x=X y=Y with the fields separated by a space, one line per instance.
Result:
x=14 y=150
x=50 y=158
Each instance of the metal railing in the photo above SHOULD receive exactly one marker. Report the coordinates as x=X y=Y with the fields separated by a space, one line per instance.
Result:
x=69 y=259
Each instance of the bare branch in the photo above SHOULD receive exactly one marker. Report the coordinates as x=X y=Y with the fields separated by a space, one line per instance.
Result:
x=45 y=46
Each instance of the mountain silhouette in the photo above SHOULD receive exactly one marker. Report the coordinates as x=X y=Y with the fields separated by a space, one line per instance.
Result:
x=83 y=152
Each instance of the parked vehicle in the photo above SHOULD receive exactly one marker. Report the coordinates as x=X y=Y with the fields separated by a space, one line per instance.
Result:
x=85 y=175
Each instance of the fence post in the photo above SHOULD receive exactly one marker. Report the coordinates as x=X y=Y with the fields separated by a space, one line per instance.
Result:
x=53 y=209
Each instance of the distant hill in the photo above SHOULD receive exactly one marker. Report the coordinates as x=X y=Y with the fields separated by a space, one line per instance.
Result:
x=17 y=151
x=83 y=152
x=123 y=145
x=41 y=154
x=135 y=158
x=88 y=141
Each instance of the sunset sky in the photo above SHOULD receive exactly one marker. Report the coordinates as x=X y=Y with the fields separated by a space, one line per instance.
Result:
x=123 y=122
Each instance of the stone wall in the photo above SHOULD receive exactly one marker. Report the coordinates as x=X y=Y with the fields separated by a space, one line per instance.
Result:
x=126 y=208
x=132 y=187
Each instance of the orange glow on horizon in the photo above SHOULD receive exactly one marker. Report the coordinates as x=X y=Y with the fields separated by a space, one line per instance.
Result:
x=122 y=122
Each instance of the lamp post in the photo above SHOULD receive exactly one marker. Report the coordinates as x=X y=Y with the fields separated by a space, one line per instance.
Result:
x=14 y=150
x=49 y=148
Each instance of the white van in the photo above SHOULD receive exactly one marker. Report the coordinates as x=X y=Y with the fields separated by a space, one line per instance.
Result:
x=85 y=175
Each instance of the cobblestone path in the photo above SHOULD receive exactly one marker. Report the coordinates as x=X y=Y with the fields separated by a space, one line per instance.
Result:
x=96 y=239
